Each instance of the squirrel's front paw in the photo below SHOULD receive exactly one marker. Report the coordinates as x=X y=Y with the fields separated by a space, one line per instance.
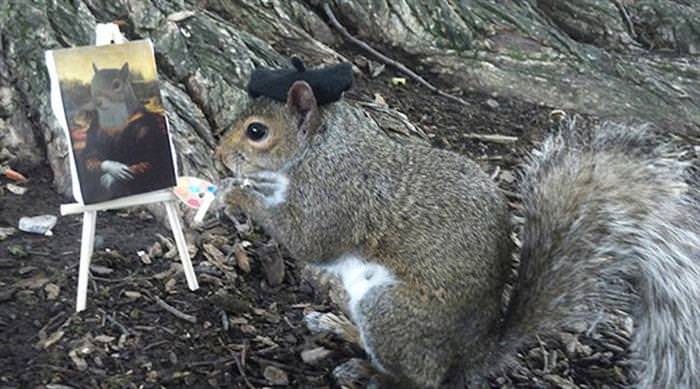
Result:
x=269 y=187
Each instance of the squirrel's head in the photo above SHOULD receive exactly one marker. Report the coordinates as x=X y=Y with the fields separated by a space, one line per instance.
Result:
x=270 y=135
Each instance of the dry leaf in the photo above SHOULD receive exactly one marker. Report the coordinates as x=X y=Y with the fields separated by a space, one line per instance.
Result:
x=242 y=259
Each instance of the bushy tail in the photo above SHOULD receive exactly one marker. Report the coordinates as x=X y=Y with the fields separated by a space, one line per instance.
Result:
x=611 y=224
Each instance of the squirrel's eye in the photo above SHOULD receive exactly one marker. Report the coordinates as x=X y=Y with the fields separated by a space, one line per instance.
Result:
x=116 y=84
x=256 y=131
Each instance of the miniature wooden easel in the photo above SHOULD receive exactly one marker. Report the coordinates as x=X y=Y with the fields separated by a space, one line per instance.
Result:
x=106 y=34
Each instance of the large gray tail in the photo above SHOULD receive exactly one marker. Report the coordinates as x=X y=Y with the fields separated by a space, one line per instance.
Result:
x=611 y=224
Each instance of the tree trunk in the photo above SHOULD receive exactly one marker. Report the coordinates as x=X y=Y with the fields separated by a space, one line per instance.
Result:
x=629 y=60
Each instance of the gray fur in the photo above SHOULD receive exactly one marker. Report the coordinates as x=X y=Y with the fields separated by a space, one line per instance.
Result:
x=113 y=96
x=604 y=214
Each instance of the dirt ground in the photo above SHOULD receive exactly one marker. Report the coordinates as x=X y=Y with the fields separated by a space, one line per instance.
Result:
x=242 y=332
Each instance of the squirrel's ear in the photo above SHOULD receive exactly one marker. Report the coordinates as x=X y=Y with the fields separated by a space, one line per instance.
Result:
x=124 y=72
x=302 y=103
x=94 y=67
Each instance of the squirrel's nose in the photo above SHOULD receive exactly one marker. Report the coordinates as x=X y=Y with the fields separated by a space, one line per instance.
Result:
x=228 y=160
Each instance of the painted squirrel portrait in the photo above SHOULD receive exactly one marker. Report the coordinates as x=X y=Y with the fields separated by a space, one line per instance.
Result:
x=421 y=237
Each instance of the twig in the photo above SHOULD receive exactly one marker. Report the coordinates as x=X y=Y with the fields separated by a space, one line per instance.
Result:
x=219 y=361
x=494 y=138
x=388 y=61
x=114 y=322
x=155 y=344
x=177 y=313
x=239 y=365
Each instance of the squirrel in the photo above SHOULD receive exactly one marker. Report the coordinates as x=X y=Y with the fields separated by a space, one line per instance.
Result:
x=113 y=96
x=421 y=238
x=125 y=147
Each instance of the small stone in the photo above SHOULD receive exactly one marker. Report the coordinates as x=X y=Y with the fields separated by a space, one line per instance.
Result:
x=26 y=270
x=6 y=232
x=397 y=81
x=170 y=285
x=276 y=376
x=152 y=376
x=132 y=294
x=16 y=189
x=315 y=355
x=155 y=251
x=79 y=362
x=237 y=320
x=145 y=258
x=52 y=291
x=101 y=270
x=104 y=338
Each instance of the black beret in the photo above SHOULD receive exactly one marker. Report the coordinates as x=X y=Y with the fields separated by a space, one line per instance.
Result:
x=328 y=83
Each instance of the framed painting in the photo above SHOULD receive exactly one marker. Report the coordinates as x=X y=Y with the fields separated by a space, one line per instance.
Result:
x=111 y=107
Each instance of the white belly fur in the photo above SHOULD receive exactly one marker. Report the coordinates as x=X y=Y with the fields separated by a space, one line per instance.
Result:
x=359 y=277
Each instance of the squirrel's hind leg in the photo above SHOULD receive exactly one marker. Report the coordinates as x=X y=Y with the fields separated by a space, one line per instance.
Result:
x=408 y=337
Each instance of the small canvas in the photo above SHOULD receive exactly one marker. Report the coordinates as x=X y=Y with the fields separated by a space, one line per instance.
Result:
x=108 y=100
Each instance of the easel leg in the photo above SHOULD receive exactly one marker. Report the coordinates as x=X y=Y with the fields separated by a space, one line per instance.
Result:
x=174 y=220
x=87 y=244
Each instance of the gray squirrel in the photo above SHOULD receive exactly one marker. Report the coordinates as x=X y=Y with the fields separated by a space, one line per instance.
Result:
x=420 y=238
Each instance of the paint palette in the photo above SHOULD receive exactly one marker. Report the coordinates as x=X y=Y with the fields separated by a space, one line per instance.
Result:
x=195 y=193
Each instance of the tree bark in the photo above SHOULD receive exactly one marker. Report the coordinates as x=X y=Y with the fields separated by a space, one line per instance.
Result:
x=621 y=59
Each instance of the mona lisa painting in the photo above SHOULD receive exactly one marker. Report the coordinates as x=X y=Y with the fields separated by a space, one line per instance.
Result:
x=109 y=102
